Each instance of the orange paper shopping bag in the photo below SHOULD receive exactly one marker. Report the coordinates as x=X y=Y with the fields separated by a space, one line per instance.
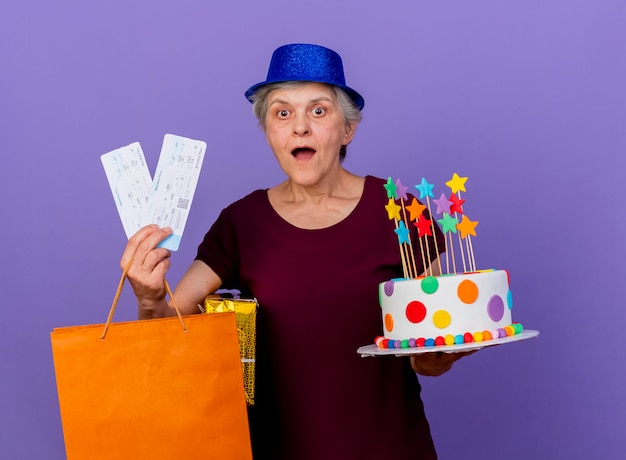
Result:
x=164 y=389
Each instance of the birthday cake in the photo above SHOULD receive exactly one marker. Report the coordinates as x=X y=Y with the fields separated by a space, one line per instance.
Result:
x=431 y=309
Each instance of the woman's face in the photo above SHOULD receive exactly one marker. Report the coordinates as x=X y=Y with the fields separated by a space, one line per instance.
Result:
x=305 y=128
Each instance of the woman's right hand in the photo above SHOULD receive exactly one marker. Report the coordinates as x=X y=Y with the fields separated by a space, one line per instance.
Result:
x=147 y=269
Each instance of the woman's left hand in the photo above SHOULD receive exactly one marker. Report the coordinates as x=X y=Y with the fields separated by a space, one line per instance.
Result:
x=433 y=364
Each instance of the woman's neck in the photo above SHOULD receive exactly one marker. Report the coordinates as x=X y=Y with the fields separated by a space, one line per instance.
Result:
x=319 y=205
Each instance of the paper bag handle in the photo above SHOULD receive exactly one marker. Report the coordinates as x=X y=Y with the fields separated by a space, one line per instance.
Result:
x=118 y=292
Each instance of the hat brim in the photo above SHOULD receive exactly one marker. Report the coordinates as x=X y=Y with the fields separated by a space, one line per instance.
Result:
x=352 y=94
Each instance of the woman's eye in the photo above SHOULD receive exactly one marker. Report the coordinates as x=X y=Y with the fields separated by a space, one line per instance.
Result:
x=283 y=113
x=318 y=111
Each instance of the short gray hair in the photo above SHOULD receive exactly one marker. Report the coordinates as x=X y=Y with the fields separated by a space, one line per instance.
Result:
x=351 y=113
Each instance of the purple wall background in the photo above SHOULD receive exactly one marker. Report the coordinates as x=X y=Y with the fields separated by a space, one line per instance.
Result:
x=526 y=98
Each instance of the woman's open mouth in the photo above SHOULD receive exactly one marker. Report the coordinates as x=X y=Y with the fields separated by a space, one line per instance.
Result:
x=303 y=153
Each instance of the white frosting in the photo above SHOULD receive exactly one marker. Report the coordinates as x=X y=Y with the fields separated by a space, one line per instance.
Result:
x=422 y=307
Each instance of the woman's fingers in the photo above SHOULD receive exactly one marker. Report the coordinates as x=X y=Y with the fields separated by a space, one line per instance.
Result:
x=155 y=257
x=134 y=242
x=152 y=270
x=143 y=243
x=436 y=363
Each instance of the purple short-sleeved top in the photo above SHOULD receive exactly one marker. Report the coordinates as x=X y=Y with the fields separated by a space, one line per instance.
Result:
x=316 y=398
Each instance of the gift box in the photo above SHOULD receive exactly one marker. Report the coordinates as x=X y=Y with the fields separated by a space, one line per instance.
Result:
x=245 y=314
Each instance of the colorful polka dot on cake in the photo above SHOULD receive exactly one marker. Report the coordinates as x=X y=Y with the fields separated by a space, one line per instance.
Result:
x=388 y=288
x=388 y=322
x=429 y=285
x=495 y=308
x=441 y=319
x=415 y=312
x=467 y=291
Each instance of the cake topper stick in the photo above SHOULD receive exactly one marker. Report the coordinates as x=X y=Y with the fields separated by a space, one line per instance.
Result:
x=460 y=242
x=432 y=222
x=457 y=208
x=466 y=228
x=401 y=193
x=410 y=259
x=423 y=225
x=457 y=184
x=467 y=250
x=448 y=226
x=462 y=253
x=471 y=260
x=445 y=247
x=415 y=212
x=426 y=191
x=452 y=254
x=423 y=255
x=470 y=251
x=428 y=270
x=444 y=207
x=403 y=236
x=393 y=212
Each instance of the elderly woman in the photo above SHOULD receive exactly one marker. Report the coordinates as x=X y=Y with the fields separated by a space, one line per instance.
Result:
x=312 y=251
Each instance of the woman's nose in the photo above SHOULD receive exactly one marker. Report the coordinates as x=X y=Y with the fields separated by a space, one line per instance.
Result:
x=301 y=125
